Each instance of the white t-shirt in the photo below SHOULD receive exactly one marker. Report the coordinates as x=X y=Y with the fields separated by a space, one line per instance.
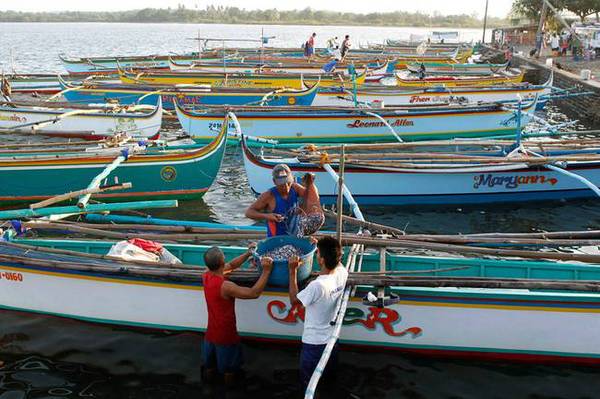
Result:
x=336 y=54
x=555 y=42
x=320 y=302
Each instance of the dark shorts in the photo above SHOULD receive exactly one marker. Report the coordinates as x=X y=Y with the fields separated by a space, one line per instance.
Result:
x=224 y=358
x=309 y=51
x=309 y=358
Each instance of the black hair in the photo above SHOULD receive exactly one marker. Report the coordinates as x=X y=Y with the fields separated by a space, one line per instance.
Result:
x=330 y=250
x=314 y=34
x=347 y=36
x=214 y=258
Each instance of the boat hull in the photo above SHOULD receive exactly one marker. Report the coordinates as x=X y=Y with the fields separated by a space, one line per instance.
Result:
x=90 y=125
x=158 y=175
x=389 y=187
x=291 y=81
x=502 y=324
x=354 y=126
x=333 y=97
x=94 y=95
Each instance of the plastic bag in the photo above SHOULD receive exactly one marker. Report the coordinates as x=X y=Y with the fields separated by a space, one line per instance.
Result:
x=127 y=251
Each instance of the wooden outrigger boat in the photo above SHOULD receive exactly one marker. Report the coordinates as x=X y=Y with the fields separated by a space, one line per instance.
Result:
x=29 y=175
x=439 y=68
x=271 y=66
x=74 y=279
x=110 y=65
x=73 y=120
x=408 y=79
x=409 y=177
x=264 y=80
x=94 y=92
x=394 y=96
x=301 y=125
x=41 y=83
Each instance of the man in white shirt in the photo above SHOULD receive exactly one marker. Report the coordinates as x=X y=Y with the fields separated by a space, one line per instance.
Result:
x=555 y=43
x=320 y=299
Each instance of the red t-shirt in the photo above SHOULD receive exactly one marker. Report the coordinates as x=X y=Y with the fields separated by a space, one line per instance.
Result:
x=222 y=327
x=311 y=41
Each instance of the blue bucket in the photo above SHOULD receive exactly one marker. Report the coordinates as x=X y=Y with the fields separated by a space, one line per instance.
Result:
x=280 y=275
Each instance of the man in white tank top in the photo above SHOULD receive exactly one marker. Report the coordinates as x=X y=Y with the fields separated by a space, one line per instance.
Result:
x=319 y=298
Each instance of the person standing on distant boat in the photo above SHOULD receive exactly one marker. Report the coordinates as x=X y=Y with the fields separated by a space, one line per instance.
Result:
x=332 y=44
x=555 y=44
x=337 y=54
x=346 y=46
x=309 y=46
x=222 y=351
x=319 y=298
x=280 y=205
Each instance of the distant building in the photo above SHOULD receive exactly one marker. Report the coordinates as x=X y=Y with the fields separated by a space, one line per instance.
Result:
x=515 y=35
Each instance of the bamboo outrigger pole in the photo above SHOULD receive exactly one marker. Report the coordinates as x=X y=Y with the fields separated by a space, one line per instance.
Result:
x=343 y=303
x=60 y=210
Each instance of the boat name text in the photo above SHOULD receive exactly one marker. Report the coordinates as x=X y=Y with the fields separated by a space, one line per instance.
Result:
x=13 y=118
x=511 y=181
x=386 y=318
x=396 y=123
x=11 y=276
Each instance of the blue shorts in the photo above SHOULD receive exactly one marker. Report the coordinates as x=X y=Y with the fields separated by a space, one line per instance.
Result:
x=224 y=358
x=309 y=358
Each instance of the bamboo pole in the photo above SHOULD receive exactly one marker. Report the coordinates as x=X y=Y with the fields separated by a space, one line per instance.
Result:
x=465 y=282
x=150 y=227
x=340 y=198
x=96 y=181
x=73 y=194
x=230 y=236
x=361 y=223
x=461 y=249
x=59 y=210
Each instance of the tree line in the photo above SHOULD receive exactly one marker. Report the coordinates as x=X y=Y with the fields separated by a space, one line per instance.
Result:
x=581 y=8
x=233 y=15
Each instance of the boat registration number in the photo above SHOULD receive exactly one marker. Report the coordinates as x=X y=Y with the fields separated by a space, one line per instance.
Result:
x=11 y=276
x=219 y=126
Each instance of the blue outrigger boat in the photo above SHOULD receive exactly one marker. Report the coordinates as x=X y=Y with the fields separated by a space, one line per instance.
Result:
x=190 y=95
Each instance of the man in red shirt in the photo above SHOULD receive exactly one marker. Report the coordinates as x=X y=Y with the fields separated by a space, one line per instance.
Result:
x=222 y=351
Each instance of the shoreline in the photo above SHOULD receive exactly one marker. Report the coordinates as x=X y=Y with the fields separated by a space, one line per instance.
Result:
x=270 y=23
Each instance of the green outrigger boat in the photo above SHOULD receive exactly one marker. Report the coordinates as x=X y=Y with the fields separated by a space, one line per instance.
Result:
x=182 y=172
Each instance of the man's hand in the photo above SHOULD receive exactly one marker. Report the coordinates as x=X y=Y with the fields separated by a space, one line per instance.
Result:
x=313 y=240
x=308 y=179
x=267 y=264
x=274 y=217
x=251 y=248
x=294 y=263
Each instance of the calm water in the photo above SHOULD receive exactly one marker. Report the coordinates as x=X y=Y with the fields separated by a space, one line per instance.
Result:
x=47 y=357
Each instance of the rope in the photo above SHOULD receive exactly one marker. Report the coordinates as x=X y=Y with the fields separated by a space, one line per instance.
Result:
x=385 y=123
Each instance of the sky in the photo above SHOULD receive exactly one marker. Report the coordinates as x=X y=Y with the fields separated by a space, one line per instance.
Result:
x=497 y=8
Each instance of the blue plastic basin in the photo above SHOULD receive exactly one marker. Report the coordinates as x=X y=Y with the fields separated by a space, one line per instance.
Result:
x=280 y=276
